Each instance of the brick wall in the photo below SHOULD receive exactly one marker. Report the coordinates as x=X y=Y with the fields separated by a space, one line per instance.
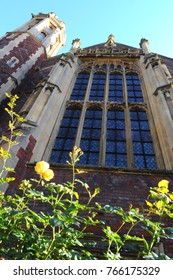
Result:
x=117 y=188
x=24 y=156
x=23 y=51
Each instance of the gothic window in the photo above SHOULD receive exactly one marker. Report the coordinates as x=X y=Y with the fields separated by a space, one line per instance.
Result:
x=98 y=85
x=66 y=136
x=144 y=156
x=133 y=88
x=80 y=86
x=115 y=87
x=116 y=154
x=90 y=140
x=111 y=111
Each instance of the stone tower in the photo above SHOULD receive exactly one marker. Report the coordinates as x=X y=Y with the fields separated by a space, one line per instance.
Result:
x=20 y=50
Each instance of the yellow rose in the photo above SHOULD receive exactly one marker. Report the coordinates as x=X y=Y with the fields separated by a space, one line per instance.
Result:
x=48 y=174
x=41 y=167
x=163 y=183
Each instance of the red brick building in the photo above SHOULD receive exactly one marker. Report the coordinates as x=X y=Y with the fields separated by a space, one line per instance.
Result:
x=112 y=100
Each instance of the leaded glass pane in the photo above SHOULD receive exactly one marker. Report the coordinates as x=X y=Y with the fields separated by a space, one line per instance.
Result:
x=66 y=136
x=151 y=162
x=133 y=88
x=115 y=87
x=144 y=156
x=115 y=143
x=139 y=161
x=90 y=140
x=80 y=86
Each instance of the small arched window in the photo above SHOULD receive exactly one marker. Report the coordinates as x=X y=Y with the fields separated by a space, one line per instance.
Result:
x=41 y=36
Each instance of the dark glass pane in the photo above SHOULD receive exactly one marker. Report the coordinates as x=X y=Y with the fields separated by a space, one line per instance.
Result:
x=144 y=156
x=66 y=136
x=133 y=88
x=137 y=148
x=90 y=140
x=151 y=162
x=80 y=86
x=116 y=144
x=115 y=87
x=121 y=147
x=110 y=160
x=136 y=135
x=121 y=160
x=139 y=161
x=148 y=148
x=110 y=146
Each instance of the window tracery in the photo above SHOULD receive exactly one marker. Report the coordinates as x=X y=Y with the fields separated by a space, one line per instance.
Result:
x=114 y=130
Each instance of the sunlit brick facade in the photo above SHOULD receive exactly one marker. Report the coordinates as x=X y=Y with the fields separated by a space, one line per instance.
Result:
x=114 y=101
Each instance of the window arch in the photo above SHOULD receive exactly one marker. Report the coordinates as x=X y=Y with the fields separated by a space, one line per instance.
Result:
x=97 y=87
x=115 y=87
x=134 y=90
x=143 y=151
x=80 y=86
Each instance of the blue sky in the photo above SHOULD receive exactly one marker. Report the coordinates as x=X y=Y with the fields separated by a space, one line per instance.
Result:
x=93 y=20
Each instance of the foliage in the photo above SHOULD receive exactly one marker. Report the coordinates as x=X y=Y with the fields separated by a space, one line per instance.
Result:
x=150 y=219
x=58 y=232
x=10 y=139
x=45 y=220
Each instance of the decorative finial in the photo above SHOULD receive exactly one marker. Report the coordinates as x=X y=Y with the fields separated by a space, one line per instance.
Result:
x=144 y=44
x=75 y=45
x=111 y=40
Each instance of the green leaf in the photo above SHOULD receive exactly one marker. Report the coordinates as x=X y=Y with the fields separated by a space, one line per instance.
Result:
x=6 y=180
x=159 y=204
x=9 y=169
x=134 y=238
x=148 y=203
x=55 y=222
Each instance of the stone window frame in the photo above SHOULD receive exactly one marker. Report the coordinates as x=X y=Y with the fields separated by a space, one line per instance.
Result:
x=105 y=105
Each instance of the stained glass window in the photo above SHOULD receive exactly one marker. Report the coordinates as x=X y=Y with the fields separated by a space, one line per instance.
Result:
x=80 y=86
x=90 y=140
x=66 y=136
x=115 y=87
x=144 y=155
x=116 y=154
x=133 y=88
x=98 y=85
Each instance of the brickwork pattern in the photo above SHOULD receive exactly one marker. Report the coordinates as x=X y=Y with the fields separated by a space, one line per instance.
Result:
x=23 y=52
x=6 y=40
x=24 y=156
x=116 y=189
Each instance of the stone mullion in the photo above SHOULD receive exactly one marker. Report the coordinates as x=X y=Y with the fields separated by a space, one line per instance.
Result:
x=129 y=143
x=102 y=154
x=85 y=104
